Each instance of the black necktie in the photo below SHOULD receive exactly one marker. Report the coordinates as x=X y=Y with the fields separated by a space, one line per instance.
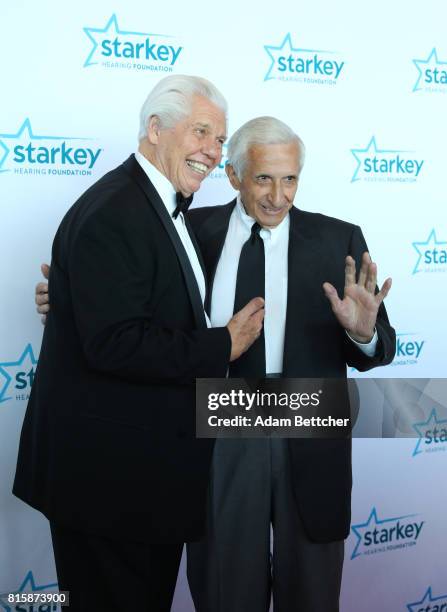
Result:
x=250 y=283
x=182 y=204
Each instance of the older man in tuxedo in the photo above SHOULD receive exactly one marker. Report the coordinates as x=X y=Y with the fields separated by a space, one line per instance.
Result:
x=108 y=450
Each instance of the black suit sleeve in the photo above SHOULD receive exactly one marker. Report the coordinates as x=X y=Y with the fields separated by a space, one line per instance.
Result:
x=113 y=269
x=386 y=345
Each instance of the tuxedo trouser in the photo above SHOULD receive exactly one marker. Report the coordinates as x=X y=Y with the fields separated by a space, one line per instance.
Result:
x=231 y=568
x=107 y=575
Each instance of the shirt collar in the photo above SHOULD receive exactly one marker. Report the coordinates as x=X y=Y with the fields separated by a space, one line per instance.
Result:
x=164 y=188
x=272 y=233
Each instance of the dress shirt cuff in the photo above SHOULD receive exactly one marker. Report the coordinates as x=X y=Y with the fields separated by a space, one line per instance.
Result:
x=368 y=348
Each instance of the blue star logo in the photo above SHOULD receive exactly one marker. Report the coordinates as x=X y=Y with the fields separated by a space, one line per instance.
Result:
x=370 y=150
x=27 y=357
x=25 y=131
x=433 y=57
x=288 y=47
x=428 y=598
x=28 y=585
x=372 y=521
x=431 y=241
x=422 y=427
x=111 y=28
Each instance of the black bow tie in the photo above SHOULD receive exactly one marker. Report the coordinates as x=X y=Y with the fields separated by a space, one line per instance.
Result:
x=182 y=204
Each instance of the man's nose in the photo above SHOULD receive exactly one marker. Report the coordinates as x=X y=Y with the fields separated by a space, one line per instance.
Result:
x=276 y=195
x=212 y=149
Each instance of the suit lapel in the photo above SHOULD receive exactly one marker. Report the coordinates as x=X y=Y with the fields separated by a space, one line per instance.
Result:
x=196 y=248
x=133 y=168
x=303 y=265
x=211 y=238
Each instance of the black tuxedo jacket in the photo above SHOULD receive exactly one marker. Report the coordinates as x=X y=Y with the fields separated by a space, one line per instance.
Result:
x=108 y=442
x=315 y=346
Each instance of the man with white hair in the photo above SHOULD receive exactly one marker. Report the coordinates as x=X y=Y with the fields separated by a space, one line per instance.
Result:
x=260 y=244
x=108 y=450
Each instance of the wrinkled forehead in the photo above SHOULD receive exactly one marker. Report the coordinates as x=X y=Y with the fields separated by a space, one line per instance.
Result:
x=274 y=159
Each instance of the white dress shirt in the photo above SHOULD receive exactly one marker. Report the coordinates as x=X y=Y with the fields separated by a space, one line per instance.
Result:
x=276 y=246
x=167 y=195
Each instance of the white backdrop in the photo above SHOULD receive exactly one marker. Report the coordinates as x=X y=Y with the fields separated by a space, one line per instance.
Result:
x=365 y=86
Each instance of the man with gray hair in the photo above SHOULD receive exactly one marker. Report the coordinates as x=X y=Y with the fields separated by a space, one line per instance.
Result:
x=260 y=244
x=108 y=450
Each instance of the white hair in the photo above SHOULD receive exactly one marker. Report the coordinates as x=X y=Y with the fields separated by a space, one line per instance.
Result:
x=260 y=131
x=171 y=100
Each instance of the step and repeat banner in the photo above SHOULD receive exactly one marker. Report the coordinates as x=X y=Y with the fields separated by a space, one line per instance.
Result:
x=365 y=86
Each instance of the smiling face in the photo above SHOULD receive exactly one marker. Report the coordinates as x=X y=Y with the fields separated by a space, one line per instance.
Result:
x=189 y=151
x=269 y=181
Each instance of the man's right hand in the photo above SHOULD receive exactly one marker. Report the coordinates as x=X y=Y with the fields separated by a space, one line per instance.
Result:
x=245 y=327
x=41 y=298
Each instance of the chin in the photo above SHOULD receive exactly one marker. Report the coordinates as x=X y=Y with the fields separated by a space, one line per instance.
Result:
x=195 y=185
x=269 y=221
x=190 y=188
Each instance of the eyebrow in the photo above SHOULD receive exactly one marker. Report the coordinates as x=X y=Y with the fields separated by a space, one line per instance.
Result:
x=207 y=126
x=270 y=176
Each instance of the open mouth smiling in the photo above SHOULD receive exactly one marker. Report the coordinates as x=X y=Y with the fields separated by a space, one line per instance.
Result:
x=197 y=166
x=272 y=211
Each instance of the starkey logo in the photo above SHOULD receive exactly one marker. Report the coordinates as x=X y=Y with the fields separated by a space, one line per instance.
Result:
x=307 y=66
x=432 y=435
x=409 y=349
x=26 y=152
x=116 y=48
x=429 y=603
x=386 y=165
x=431 y=254
x=376 y=535
x=17 y=376
x=432 y=74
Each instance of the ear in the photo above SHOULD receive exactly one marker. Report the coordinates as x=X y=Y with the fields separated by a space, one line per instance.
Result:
x=232 y=176
x=153 y=129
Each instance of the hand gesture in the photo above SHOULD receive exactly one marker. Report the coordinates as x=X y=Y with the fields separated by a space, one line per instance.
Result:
x=41 y=296
x=357 y=311
x=246 y=326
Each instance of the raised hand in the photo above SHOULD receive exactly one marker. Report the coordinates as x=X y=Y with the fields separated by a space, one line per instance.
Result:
x=41 y=296
x=357 y=311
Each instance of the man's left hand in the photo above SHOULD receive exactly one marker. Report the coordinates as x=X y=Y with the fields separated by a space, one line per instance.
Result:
x=357 y=311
